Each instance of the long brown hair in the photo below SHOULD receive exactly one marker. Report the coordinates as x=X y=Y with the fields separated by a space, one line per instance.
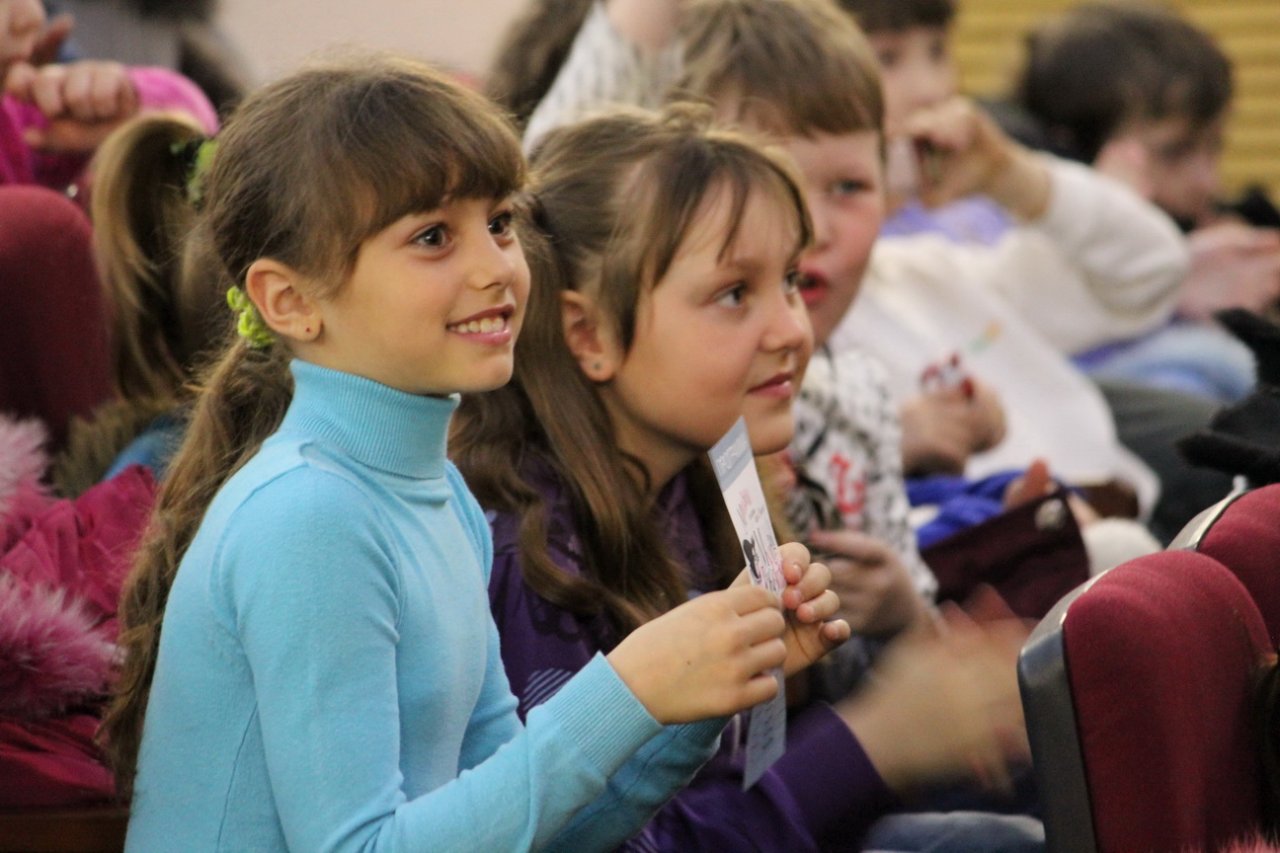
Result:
x=614 y=198
x=163 y=297
x=306 y=170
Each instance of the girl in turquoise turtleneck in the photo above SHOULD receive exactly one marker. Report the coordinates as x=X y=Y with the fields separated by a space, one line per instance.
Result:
x=328 y=676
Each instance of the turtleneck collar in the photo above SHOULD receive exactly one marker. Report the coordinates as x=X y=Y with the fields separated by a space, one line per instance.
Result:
x=376 y=425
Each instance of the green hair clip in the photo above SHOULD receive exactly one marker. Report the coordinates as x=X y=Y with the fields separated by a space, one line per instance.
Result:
x=197 y=154
x=249 y=324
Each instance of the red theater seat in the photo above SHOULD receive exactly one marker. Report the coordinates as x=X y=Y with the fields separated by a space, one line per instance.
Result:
x=1138 y=689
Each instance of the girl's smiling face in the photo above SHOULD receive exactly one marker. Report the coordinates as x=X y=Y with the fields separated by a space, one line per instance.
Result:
x=723 y=334
x=433 y=304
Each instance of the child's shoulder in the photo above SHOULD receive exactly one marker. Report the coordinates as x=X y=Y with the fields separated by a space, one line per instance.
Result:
x=289 y=483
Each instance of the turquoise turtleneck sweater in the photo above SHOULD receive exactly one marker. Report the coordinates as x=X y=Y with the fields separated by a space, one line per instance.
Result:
x=329 y=674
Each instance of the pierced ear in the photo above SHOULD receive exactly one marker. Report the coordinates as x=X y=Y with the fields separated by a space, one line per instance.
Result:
x=277 y=292
x=591 y=342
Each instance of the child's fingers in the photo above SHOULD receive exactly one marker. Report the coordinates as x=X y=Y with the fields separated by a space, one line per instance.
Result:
x=795 y=560
x=47 y=90
x=851 y=544
x=765 y=656
x=19 y=80
x=749 y=598
x=835 y=632
x=818 y=609
x=761 y=626
x=814 y=580
x=51 y=40
x=761 y=688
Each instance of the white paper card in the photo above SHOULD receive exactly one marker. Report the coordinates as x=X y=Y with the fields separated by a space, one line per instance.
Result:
x=736 y=472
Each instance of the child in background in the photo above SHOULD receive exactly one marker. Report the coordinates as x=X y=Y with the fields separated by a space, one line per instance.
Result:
x=328 y=676
x=55 y=363
x=666 y=306
x=53 y=116
x=1144 y=95
x=912 y=42
x=167 y=304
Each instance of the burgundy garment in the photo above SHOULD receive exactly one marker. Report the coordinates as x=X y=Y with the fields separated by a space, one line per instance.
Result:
x=1246 y=539
x=1162 y=655
x=52 y=763
x=83 y=547
x=54 y=356
x=1032 y=555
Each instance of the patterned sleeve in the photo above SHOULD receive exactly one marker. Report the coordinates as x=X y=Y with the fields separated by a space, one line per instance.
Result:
x=603 y=68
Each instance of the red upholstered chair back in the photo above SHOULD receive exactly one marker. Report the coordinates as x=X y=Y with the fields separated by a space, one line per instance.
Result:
x=1139 y=693
x=1243 y=533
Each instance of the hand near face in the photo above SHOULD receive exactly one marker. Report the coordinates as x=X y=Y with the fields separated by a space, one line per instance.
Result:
x=21 y=23
x=83 y=102
x=877 y=597
x=942 y=428
x=1233 y=265
x=963 y=151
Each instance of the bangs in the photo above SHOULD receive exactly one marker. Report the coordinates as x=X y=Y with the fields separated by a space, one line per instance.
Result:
x=412 y=144
x=671 y=192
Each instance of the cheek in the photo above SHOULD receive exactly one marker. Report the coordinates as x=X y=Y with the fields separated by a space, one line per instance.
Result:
x=855 y=232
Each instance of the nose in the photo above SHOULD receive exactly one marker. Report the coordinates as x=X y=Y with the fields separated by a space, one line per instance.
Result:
x=1204 y=177
x=494 y=264
x=788 y=326
x=818 y=216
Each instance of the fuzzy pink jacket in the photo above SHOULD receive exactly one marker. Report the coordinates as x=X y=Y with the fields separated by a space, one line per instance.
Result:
x=158 y=89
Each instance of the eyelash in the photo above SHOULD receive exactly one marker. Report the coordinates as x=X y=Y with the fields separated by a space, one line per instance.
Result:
x=847 y=187
x=426 y=236
x=436 y=236
x=791 y=281
x=737 y=290
x=505 y=222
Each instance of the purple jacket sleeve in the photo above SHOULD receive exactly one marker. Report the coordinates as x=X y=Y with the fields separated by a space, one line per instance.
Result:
x=823 y=790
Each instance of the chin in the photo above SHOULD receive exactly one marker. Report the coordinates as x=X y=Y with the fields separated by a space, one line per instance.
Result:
x=770 y=435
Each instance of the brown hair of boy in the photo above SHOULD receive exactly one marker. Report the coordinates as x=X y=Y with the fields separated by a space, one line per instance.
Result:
x=792 y=67
x=1099 y=66
x=614 y=198
x=895 y=16
x=306 y=170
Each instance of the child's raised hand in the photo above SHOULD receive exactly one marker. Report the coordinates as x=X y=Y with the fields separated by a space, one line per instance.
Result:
x=21 y=22
x=709 y=657
x=83 y=102
x=963 y=151
x=877 y=597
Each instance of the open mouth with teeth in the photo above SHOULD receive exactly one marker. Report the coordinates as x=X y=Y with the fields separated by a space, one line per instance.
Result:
x=483 y=326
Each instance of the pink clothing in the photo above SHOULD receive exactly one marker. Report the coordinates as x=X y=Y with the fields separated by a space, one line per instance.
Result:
x=158 y=89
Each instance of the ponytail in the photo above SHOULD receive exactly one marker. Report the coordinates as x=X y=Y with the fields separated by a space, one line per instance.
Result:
x=163 y=296
x=242 y=401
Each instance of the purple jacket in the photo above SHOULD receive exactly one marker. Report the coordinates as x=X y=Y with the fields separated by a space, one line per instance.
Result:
x=822 y=793
x=158 y=89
